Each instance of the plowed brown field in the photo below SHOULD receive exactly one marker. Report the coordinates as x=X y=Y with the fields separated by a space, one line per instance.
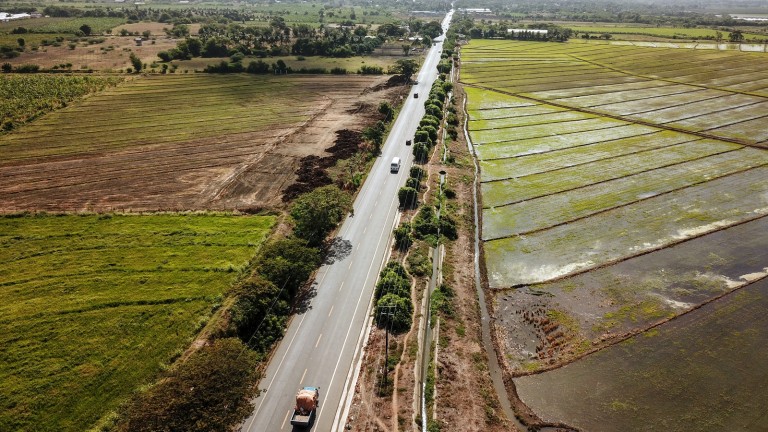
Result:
x=186 y=142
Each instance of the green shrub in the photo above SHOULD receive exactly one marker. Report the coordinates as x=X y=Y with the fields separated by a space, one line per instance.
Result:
x=417 y=172
x=403 y=238
x=288 y=263
x=259 y=313
x=212 y=390
x=316 y=213
x=401 y=313
x=419 y=263
x=412 y=183
x=408 y=197
x=393 y=281
x=442 y=300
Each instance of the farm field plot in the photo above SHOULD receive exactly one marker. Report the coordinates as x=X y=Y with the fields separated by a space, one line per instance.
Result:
x=180 y=142
x=678 y=374
x=678 y=82
x=616 y=299
x=592 y=235
x=103 y=302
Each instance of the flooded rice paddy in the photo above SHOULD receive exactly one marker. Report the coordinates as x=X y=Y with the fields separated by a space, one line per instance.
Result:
x=625 y=229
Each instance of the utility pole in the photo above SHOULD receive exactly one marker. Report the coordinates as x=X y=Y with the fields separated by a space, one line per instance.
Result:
x=389 y=313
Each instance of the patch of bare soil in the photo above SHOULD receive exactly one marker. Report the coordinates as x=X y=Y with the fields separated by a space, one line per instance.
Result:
x=464 y=393
x=312 y=173
x=243 y=171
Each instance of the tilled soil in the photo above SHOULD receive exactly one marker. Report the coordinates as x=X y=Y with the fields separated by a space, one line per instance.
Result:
x=238 y=171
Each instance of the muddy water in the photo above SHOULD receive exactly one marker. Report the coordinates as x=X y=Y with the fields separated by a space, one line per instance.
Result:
x=704 y=371
x=633 y=294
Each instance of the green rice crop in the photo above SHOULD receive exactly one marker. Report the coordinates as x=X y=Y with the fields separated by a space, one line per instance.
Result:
x=26 y=97
x=543 y=130
x=535 y=185
x=667 y=32
x=92 y=307
x=511 y=149
x=627 y=231
x=559 y=208
x=534 y=163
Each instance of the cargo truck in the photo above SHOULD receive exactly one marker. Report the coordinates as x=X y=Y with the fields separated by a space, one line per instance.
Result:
x=306 y=405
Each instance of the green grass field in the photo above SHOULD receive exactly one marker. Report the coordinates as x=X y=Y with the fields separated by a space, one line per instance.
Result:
x=92 y=307
x=26 y=97
x=664 y=32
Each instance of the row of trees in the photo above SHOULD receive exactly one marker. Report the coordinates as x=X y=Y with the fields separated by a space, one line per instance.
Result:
x=685 y=13
x=215 y=40
x=214 y=388
x=501 y=29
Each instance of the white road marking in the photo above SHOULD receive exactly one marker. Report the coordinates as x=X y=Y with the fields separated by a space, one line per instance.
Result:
x=331 y=311
x=284 y=420
x=279 y=365
x=318 y=340
x=301 y=381
x=337 y=421
x=341 y=286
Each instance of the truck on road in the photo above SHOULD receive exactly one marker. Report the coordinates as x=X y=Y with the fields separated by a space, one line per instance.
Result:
x=306 y=405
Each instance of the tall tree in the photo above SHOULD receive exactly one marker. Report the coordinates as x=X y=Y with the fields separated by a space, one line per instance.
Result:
x=406 y=68
x=316 y=213
x=136 y=62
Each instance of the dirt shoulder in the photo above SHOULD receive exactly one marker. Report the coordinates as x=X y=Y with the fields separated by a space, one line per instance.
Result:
x=465 y=400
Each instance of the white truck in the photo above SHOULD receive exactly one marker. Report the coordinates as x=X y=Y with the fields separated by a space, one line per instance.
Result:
x=395 y=165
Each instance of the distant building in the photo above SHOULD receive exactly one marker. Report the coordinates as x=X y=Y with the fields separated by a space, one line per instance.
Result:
x=476 y=10
x=138 y=41
x=5 y=16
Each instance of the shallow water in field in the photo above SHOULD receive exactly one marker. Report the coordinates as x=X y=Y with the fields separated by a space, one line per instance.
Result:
x=704 y=371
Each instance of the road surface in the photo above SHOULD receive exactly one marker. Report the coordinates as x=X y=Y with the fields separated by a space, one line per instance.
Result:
x=322 y=346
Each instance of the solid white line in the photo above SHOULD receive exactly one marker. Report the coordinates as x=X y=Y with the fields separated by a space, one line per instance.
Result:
x=331 y=311
x=301 y=381
x=349 y=329
x=284 y=420
x=318 y=340
x=280 y=365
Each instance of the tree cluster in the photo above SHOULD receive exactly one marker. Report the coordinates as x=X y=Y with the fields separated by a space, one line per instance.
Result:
x=210 y=391
x=393 y=298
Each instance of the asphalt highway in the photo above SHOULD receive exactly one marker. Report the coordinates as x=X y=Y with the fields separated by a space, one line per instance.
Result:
x=322 y=346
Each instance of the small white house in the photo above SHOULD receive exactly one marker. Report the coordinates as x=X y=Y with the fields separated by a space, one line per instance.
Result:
x=5 y=16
